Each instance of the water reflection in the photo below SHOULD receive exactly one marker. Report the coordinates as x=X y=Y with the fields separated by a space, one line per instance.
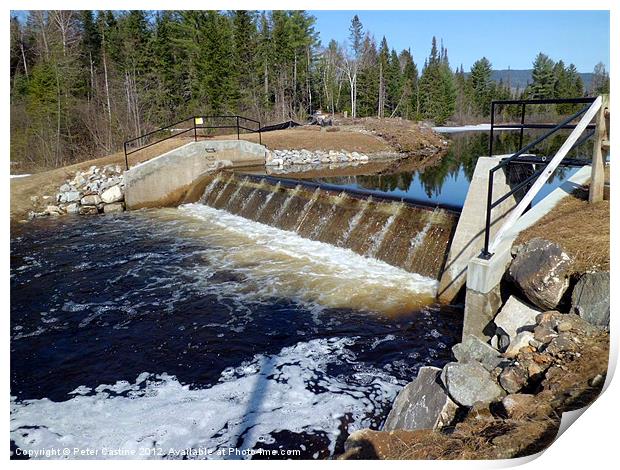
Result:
x=447 y=181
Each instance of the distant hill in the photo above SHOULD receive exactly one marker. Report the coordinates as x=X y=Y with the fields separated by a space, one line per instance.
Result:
x=520 y=78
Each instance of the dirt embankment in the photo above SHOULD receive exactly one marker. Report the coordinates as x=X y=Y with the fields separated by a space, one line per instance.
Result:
x=581 y=228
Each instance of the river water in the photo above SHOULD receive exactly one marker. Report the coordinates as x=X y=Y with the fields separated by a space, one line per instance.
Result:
x=159 y=331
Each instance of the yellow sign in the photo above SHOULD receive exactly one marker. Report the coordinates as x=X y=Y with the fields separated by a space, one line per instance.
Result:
x=198 y=120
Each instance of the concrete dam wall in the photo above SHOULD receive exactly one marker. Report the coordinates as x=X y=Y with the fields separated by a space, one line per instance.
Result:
x=166 y=180
x=410 y=237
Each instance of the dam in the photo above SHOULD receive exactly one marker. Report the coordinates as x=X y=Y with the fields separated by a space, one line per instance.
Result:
x=414 y=238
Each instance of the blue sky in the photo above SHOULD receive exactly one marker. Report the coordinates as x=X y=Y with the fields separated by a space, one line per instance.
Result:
x=507 y=38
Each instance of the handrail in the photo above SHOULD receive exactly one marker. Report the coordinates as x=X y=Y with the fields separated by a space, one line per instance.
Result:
x=543 y=174
x=523 y=124
x=194 y=127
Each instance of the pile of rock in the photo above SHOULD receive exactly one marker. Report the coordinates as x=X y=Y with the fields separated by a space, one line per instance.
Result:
x=532 y=344
x=307 y=157
x=97 y=190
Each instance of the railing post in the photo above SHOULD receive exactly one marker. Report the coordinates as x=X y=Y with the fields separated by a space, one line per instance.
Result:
x=195 y=134
x=260 y=140
x=237 y=127
x=487 y=226
x=522 y=124
x=491 y=133
x=126 y=160
x=597 y=179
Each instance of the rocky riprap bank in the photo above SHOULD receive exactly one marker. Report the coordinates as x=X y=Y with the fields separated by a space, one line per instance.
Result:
x=94 y=191
x=504 y=397
x=306 y=157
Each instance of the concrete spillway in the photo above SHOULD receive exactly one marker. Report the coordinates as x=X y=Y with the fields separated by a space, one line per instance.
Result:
x=410 y=237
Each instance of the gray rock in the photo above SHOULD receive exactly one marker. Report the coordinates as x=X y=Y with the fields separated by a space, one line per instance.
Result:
x=88 y=210
x=515 y=316
x=541 y=270
x=473 y=349
x=91 y=200
x=590 y=299
x=113 y=194
x=422 y=404
x=503 y=341
x=69 y=197
x=73 y=208
x=79 y=180
x=520 y=341
x=114 y=207
x=469 y=383
x=65 y=188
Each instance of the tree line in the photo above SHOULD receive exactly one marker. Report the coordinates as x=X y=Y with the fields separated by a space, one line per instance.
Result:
x=82 y=81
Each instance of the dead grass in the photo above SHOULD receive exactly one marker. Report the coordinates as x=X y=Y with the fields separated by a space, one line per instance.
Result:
x=317 y=138
x=582 y=229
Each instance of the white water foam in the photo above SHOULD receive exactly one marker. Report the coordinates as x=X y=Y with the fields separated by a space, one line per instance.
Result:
x=281 y=263
x=249 y=403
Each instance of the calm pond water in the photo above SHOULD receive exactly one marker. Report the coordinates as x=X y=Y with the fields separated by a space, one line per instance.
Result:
x=447 y=182
x=178 y=331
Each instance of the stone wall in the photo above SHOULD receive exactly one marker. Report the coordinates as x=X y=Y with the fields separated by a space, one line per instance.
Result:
x=279 y=158
x=94 y=191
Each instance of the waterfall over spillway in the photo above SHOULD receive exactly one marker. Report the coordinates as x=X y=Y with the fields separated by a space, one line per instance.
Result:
x=407 y=236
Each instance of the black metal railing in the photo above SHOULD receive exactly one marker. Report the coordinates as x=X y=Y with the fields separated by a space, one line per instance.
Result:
x=521 y=157
x=192 y=124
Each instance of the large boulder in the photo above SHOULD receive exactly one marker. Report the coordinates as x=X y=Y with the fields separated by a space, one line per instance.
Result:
x=541 y=270
x=91 y=200
x=590 y=299
x=473 y=349
x=516 y=316
x=113 y=194
x=469 y=383
x=422 y=404
x=114 y=207
x=69 y=197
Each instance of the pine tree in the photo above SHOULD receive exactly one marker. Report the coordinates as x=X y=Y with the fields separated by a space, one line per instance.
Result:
x=437 y=89
x=382 y=64
x=356 y=36
x=368 y=81
x=245 y=43
x=409 y=105
x=543 y=78
x=394 y=82
x=481 y=85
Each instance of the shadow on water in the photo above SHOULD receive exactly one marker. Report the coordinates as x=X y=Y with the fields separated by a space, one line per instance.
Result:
x=252 y=413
